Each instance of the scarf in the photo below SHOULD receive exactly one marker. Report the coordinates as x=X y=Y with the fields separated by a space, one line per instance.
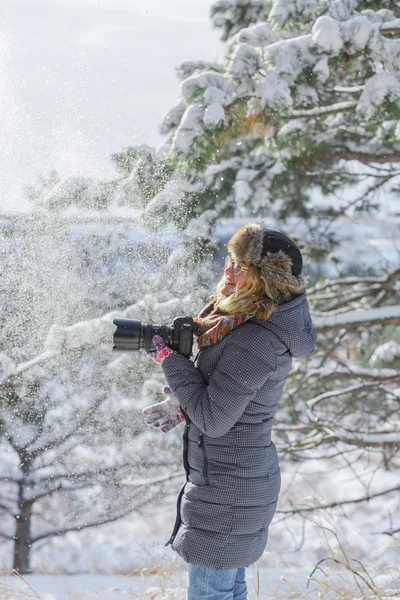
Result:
x=211 y=325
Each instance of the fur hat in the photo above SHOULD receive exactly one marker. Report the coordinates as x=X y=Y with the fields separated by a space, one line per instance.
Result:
x=276 y=255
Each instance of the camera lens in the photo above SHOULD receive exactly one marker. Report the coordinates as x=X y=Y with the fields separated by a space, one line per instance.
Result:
x=128 y=334
x=133 y=335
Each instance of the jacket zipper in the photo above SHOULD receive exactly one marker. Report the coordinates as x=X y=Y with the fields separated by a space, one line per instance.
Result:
x=186 y=466
x=205 y=459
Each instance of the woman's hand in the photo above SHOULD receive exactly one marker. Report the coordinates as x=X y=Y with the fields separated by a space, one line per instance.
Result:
x=165 y=415
x=162 y=350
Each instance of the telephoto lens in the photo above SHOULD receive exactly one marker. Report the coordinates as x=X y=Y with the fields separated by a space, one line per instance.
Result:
x=132 y=335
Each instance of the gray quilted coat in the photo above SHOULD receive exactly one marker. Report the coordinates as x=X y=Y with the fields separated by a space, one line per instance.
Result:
x=229 y=396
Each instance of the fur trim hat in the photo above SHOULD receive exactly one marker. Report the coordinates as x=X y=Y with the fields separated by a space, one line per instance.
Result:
x=277 y=256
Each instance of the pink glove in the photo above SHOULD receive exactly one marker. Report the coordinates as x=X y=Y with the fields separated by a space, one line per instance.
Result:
x=165 y=415
x=162 y=350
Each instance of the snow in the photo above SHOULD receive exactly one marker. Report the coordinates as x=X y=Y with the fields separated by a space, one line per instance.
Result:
x=275 y=581
x=172 y=118
x=160 y=206
x=321 y=69
x=356 y=33
x=391 y=24
x=321 y=110
x=326 y=36
x=242 y=190
x=216 y=95
x=7 y=367
x=283 y=10
x=195 y=84
x=244 y=61
x=80 y=587
x=189 y=129
x=342 y=9
x=379 y=89
x=285 y=61
x=214 y=115
x=146 y=586
x=386 y=353
x=258 y=35
x=275 y=91
x=390 y=313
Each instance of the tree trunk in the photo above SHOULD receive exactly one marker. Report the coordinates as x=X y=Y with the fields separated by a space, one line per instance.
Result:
x=22 y=545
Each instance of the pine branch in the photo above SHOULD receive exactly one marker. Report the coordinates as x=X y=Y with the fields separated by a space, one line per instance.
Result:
x=321 y=110
x=288 y=511
x=364 y=157
x=385 y=439
x=357 y=89
x=340 y=372
x=311 y=404
x=354 y=319
x=394 y=273
x=391 y=28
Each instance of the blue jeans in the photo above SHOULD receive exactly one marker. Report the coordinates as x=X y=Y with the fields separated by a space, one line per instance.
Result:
x=213 y=584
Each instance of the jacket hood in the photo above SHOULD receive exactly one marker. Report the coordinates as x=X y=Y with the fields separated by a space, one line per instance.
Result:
x=292 y=323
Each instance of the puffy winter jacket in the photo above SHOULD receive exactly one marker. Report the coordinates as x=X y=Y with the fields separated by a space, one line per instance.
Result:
x=229 y=396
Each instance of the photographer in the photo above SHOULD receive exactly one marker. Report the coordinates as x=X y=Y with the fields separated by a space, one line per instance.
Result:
x=258 y=320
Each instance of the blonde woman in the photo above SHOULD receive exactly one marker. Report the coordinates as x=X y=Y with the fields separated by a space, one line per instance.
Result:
x=258 y=320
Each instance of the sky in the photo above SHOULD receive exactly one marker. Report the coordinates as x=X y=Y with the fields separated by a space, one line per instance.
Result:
x=81 y=79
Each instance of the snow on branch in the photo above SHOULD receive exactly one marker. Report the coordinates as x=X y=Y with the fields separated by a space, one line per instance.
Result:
x=353 y=319
x=339 y=371
x=390 y=27
x=323 y=110
x=357 y=89
x=382 y=439
x=365 y=157
x=319 y=506
x=43 y=357
x=395 y=273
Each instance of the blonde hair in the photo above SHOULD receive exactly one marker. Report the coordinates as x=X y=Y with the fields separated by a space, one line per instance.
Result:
x=253 y=298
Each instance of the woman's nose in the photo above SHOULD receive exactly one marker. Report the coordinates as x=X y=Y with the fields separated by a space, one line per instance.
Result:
x=228 y=268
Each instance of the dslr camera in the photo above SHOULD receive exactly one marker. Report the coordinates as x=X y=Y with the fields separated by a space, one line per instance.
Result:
x=132 y=335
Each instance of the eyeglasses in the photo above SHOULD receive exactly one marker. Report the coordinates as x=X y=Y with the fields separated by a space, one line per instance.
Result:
x=237 y=267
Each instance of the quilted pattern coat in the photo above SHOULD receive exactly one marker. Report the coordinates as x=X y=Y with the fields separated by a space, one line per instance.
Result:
x=229 y=396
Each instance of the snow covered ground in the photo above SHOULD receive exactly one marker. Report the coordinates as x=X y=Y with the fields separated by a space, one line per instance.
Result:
x=281 y=582
x=269 y=582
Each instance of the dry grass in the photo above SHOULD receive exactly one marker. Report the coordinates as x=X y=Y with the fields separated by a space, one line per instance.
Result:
x=20 y=591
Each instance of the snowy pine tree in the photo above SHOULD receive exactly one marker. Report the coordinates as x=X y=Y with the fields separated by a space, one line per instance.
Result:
x=301 y=119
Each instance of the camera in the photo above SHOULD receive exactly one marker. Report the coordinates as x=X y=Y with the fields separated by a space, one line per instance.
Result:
x=132 y=335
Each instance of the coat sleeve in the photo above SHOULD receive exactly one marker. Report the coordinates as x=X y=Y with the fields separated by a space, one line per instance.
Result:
x=246 y=362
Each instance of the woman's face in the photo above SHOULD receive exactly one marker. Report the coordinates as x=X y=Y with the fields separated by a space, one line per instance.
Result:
x=233 y=282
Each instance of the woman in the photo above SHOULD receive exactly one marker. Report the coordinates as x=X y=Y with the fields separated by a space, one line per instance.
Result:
x=247 y=336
